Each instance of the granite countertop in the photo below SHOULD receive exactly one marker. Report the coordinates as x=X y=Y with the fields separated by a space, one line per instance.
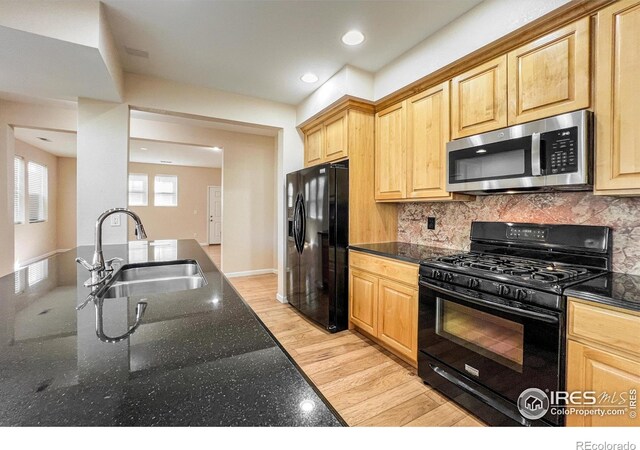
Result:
x=615 y=289
x=200 y=357
x=404 y=251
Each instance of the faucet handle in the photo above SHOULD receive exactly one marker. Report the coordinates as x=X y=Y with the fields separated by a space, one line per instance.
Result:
x=108 y=264
x=83 y=262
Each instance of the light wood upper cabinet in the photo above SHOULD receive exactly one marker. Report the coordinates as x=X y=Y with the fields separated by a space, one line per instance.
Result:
x=397 y=317
x=617 y=99
x=550 y=75
x=313 y=146
x=363 y=300
x=335 y=132
x=390 y=150
x=479 y=99
x=427 y=136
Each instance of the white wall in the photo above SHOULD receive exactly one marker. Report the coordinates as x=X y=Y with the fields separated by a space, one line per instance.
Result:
x=29 y=116
x=103 y=157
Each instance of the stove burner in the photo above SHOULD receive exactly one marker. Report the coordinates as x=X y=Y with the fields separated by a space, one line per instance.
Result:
x=513 y=266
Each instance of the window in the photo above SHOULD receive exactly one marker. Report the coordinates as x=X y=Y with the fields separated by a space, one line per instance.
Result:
x=18 y=190
x=38 y=192
x=165 y=190
x=138 y=189
x=38 y=271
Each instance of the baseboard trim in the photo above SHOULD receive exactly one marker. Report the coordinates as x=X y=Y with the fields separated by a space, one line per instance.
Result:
x=281 y=298
x=249 y=273
x=23 y=264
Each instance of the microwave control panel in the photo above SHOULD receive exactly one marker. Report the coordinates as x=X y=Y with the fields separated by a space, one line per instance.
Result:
x=561 y=151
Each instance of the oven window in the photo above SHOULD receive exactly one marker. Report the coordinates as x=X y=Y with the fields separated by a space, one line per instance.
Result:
x=491 y=336
x=490 y=165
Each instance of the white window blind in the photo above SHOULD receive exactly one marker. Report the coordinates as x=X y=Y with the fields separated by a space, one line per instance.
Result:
x=138 y=189
x=18 y=191
x=38 y=192
x=165 y=189
x=38 y=271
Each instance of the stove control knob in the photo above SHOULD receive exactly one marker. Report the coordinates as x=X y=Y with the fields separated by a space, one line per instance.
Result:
x=521 y=294
x=503 y=290
x=473 y=283
x=447 y=276
x=437 y=274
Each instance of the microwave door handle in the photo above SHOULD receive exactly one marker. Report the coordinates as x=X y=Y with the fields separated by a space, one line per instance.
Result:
x=535 y=155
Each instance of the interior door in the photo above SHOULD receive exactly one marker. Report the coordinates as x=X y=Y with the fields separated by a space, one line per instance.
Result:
x=215 y=214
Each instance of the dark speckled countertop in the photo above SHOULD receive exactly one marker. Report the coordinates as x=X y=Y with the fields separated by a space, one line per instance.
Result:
x=615 y=289
x=200 y=357
x=403 y=251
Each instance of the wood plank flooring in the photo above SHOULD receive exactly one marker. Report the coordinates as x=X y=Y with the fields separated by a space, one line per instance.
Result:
x=367 y=385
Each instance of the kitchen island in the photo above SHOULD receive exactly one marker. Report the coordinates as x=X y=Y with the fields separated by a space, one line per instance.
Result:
x=200 y=357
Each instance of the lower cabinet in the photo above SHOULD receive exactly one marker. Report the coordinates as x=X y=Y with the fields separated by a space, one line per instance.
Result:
x=603 y=358
x=383 y=302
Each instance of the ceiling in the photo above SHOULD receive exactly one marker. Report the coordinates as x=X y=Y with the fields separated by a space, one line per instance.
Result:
x=261 y=48
x=178 y=154
x=63 y=144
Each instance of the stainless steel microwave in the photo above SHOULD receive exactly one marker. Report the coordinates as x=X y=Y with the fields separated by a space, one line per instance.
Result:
x=544 y=155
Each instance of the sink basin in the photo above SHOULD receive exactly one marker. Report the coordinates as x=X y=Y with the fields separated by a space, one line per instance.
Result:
x=155 y=278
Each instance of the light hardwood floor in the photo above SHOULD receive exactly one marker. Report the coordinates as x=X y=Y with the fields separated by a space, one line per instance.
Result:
x=364 y=383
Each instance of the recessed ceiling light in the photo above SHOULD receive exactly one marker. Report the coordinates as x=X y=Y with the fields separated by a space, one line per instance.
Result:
x=143 y=148
x=166 y=162
x=482 y=150
x=309 y=77
x=44 y=139
x=216 y=149
x=353 y=37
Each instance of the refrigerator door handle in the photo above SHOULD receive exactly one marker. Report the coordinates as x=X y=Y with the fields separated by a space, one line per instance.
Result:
x=296 y=223
x=303 y=223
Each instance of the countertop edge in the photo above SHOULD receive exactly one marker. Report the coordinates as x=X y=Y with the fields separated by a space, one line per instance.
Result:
x=397 y=257
x=602 y=299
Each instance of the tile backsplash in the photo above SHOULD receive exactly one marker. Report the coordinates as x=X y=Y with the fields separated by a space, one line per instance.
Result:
x=453 y=219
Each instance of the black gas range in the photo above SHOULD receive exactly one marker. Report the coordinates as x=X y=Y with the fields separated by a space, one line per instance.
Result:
x=492 y=320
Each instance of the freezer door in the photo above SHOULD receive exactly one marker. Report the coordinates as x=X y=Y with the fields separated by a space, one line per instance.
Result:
x=316 y=290
x=292 y=264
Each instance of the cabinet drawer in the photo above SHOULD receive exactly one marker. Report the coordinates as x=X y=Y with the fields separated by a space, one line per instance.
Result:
x=385 y=267
x=611 y=327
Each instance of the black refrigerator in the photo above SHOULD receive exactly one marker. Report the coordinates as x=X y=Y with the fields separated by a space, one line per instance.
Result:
x=317 y=200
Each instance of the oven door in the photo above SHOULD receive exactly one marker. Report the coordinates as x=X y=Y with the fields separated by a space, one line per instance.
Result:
x=508 y=164
x=489 y=341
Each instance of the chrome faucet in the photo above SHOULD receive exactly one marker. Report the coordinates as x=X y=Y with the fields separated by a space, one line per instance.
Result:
x=100 y=269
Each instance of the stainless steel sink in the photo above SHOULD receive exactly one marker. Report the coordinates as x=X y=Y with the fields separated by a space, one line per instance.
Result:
x=154 y=278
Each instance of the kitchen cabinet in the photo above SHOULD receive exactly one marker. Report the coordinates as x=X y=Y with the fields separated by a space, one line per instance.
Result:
x=327 y=141
x=411 y=154
x=617 y=99
x=479 y=99
x=390 y=153
x=550 y=75
x=546 y=77
x=383 y=302
x=603 y=357
x=313 y=146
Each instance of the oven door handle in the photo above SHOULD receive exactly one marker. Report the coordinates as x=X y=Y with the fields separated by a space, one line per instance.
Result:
x=497 y=306
x=464 y=386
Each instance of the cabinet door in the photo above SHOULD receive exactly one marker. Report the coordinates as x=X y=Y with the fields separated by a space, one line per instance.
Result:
x=427 y=136
x=335 y=136
x=363 y=301
x=617 y=99
x=390 y=153
x=479 y=99
x=313 y=146
x=398 y=317
x=550 y=75
x=591 y=369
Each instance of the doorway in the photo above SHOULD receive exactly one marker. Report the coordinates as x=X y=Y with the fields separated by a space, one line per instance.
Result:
x=215 y=215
